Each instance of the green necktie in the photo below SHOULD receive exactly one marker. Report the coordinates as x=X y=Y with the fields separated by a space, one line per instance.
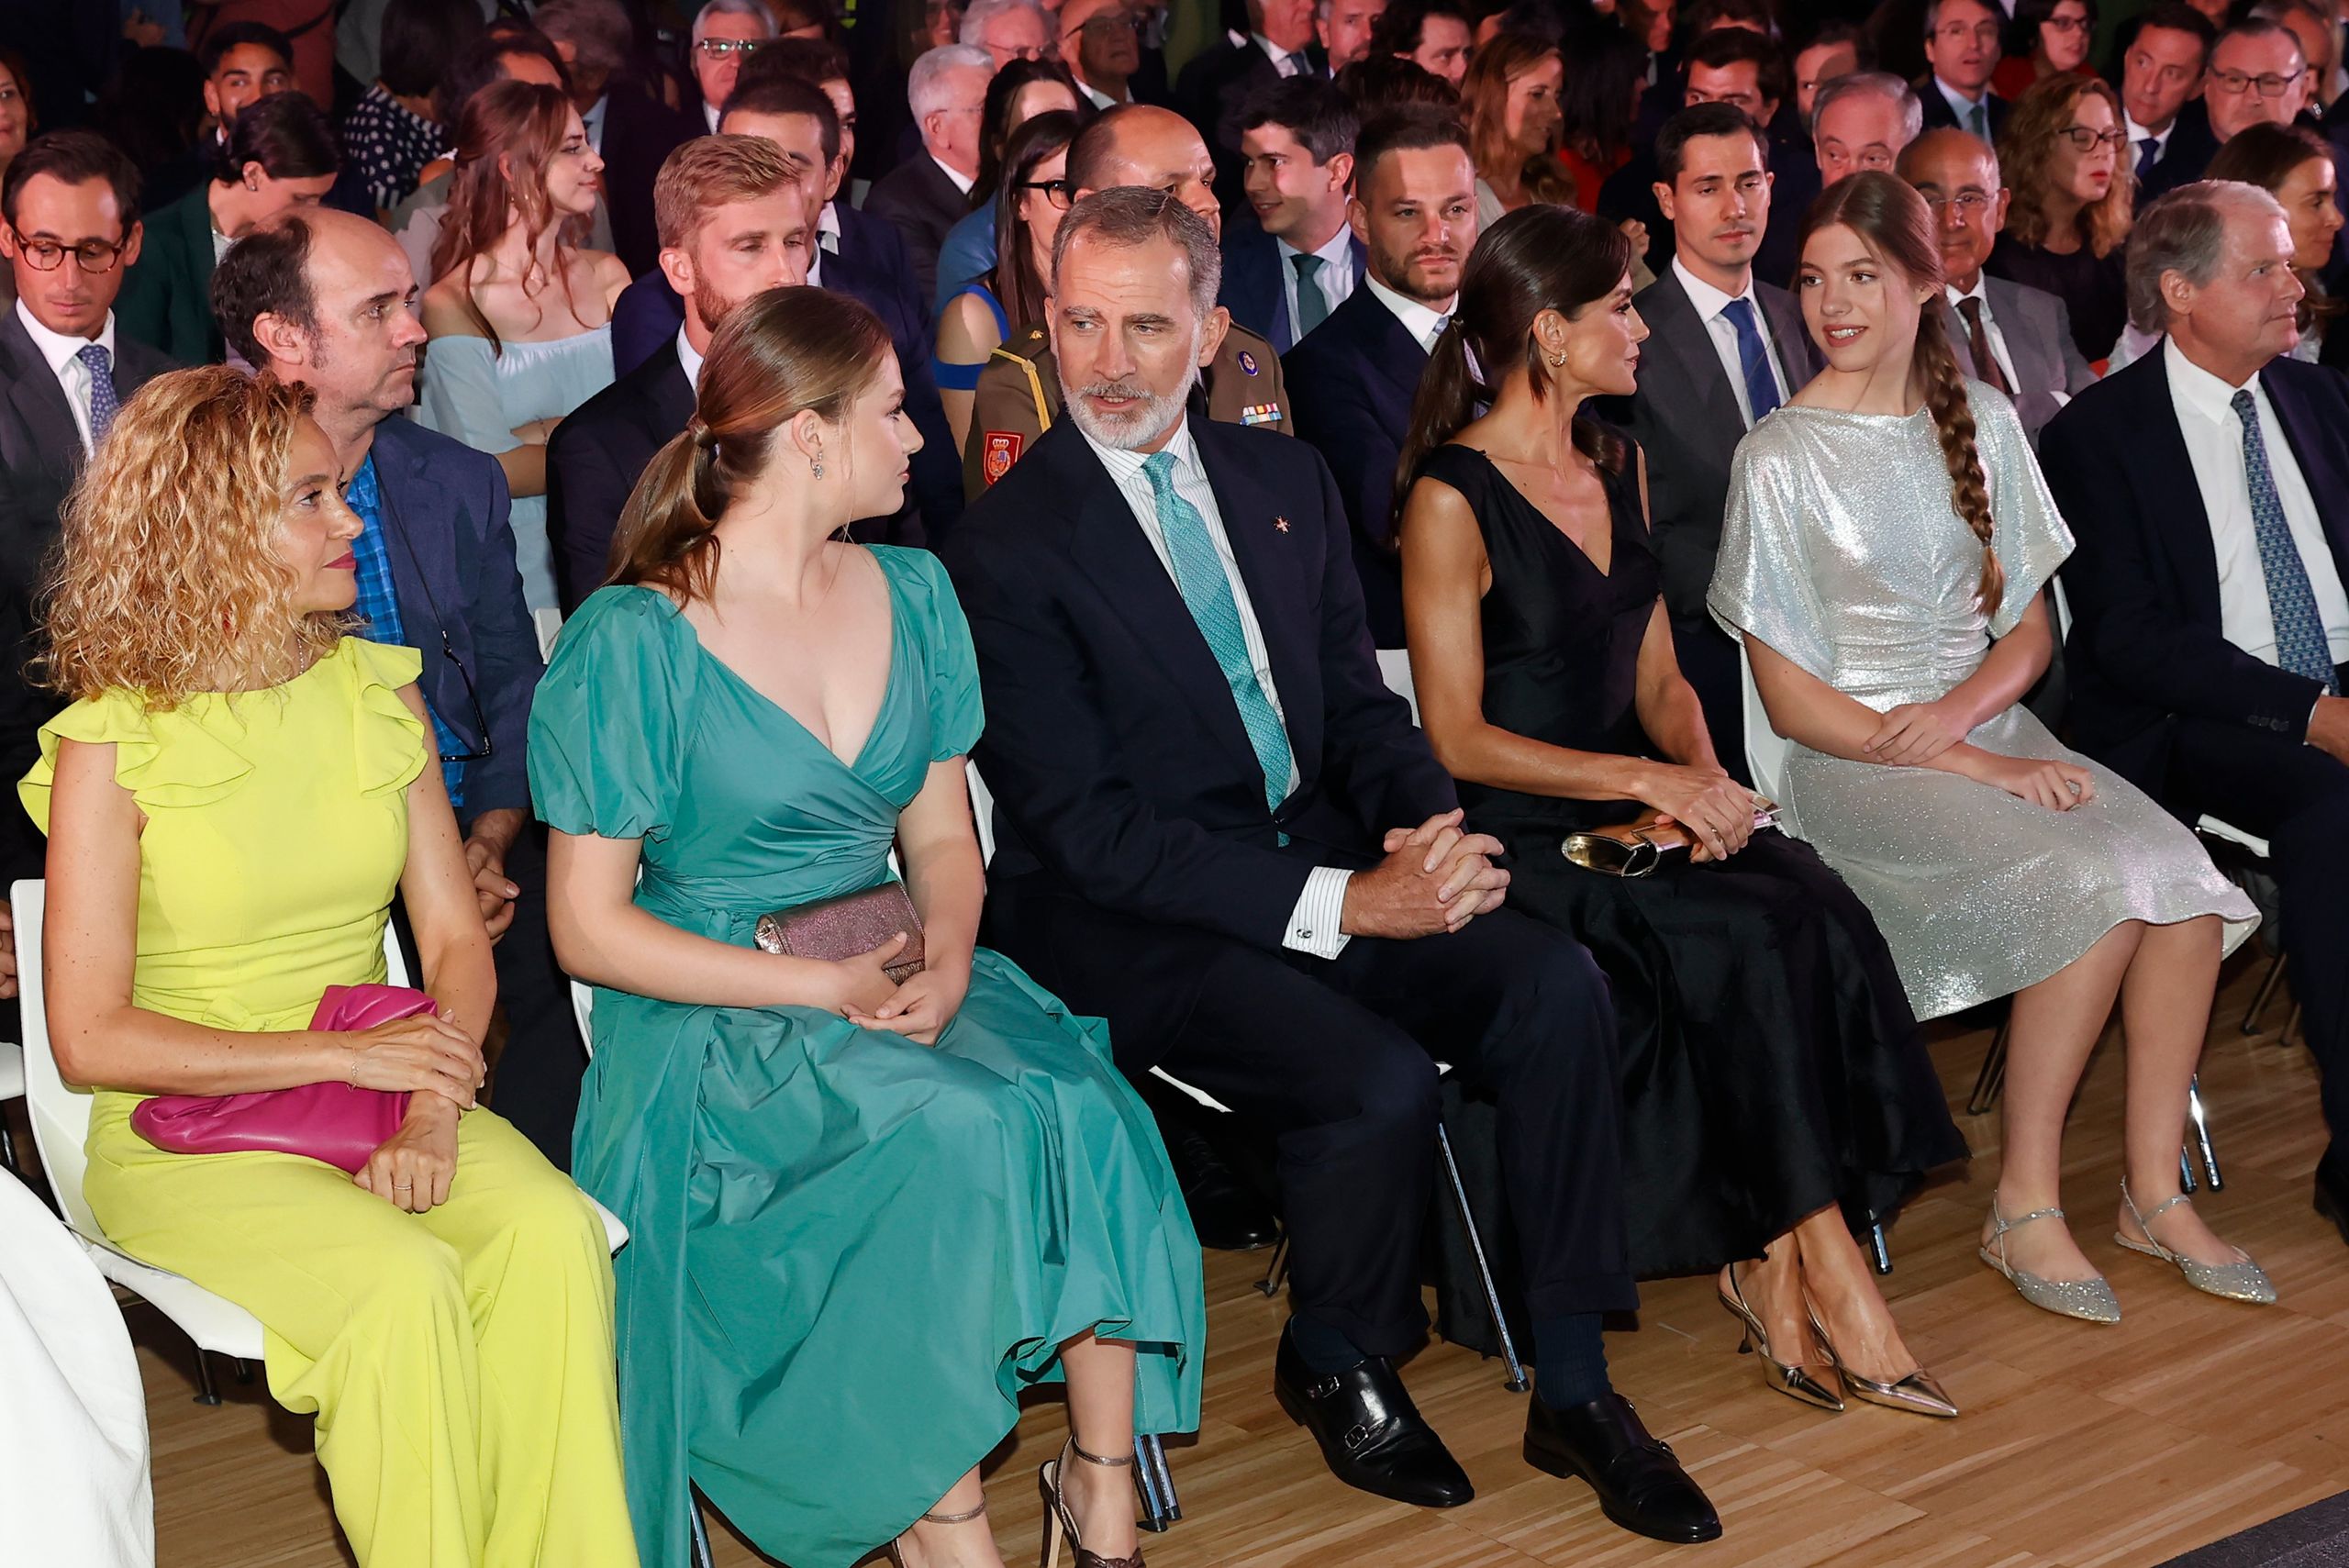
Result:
x=1312 y=308
x=1207 y=594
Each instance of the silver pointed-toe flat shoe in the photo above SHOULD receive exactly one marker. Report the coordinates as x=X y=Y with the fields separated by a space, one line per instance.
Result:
x=2240 y=1281
x=2089 y=1300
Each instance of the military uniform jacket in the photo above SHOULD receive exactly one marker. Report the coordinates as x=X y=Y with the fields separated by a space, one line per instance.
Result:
x=1018 y=397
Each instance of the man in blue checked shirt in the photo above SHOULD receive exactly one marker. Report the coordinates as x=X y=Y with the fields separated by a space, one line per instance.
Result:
x=323 y=299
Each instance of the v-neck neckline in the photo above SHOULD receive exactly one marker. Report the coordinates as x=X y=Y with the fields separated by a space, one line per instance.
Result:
x=888 y=685
x=1550 y=524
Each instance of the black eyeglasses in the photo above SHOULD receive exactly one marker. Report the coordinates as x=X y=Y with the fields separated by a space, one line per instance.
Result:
x=472 y=700
x=1057 y=192
x=2235 y=83
x=2087 y=139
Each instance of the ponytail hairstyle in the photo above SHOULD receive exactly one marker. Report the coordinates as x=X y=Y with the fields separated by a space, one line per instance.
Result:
x=1538 y=258
x=507 y=133
x=786 y=351
x=1895 y=226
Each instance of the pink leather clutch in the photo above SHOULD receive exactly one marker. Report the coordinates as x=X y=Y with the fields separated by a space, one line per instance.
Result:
x=332 y=1122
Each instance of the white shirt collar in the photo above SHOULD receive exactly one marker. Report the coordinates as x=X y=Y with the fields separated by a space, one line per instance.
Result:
x=2138 y=133
x=1422 y=320
x=1709 y=301
x=1979 y=291
x=58 y=349
x=688 y=358
x=1961 y=102
x=593 y=121
x=1336 y=250
x=829 y=221
x=2203 y=392
x=1276 y=54
x=1123 y=464
x=709 y=113
x=962 y=182
x=1094 y=95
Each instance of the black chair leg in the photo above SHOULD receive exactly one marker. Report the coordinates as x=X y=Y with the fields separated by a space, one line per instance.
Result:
x=1993 y=1076
x=700 y=1531
x=1517 y=1383
x=8 y=1148
x=205 y=1392
x=1155 y=1483
x=2268 y=984
x=1879 y=1249
x=1276 y=1270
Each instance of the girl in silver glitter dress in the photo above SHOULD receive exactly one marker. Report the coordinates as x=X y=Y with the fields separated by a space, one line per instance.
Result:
x=1884 y=557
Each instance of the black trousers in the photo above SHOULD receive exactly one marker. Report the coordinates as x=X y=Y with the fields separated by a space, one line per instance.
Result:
x=537 y=1086
x=2295 y=797
x=1337 y=1058
x=1709 y=660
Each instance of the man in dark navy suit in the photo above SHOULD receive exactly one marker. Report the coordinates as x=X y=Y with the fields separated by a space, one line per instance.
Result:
x=1217 y=828
x=2168 y=125
x=1962 y=52
x=2208 y=486
x=1724 y=349
x=853 y=253
x=1284 y=274
x=1217 y=83
x=323 y=298
x=67 y=195
x=1414 y=211
x=736 y=214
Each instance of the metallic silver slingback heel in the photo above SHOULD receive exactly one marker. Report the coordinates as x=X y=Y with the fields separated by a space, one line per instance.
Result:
x=2241 y=1280
x=2089 y=1300
x=1788 y=1378
x=1920 y=1393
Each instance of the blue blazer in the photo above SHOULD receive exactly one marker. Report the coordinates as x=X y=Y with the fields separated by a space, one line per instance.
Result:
x=2142 y=581
x=1121 y=772
x=451 y=548
x=1253 y=290
x=1351 y=382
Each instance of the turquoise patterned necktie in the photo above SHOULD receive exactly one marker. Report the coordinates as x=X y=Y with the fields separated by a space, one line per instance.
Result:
x=1207 y=594
x=2301 y=645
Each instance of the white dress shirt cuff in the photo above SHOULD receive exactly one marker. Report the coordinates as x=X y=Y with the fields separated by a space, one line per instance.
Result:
x=1313 y=924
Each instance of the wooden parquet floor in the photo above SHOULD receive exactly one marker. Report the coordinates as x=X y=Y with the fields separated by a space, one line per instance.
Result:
x=2080 y=1446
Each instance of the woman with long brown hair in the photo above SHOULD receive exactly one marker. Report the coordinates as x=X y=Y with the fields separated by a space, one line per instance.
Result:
x=2074 y=199
x=1775 y=1089
x=519 y=313
x=1884 y=558
x=870 y=1206
x=979 y=317
x=1510 y=94
x=233 y=799
x=2301 y=169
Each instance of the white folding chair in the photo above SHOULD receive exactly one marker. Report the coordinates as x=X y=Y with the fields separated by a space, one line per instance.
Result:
x=1395 y=668
x=12 y=1087
x=61 y=1118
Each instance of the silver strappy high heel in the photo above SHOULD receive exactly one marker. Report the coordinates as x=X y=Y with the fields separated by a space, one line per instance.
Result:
x=2089 y=1300
x=1060 y=1525
x=2241 y=1280
x=897 y=1554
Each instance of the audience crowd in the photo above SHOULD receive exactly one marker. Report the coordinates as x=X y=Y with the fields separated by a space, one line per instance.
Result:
x=873 y=594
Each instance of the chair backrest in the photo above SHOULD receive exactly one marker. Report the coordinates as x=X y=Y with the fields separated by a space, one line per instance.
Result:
x=982 y=811
x=1395 y=666
x=61 y=1113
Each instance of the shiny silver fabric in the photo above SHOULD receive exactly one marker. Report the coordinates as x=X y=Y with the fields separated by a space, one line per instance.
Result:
x=1840 y=550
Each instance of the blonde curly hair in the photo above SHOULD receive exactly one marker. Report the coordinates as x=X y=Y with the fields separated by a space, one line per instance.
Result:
x=2027 y=151
x=168 y=555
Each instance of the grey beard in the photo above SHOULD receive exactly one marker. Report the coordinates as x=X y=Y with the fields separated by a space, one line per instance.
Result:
x=1153 y=416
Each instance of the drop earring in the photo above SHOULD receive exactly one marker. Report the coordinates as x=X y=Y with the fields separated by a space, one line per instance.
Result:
x=816 y=467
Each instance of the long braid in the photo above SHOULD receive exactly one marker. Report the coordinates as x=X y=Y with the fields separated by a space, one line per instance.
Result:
x=1953 y=423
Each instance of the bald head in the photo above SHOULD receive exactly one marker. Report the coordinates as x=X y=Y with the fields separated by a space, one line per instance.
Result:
x=1138 y=144
x=1958 y=174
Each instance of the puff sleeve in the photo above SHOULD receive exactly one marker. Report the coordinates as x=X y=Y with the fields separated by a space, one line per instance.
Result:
x=609 y=721
x=1761 y=579
x=2026 y=530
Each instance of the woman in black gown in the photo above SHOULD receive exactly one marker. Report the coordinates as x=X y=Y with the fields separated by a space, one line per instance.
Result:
x=1775 y=1088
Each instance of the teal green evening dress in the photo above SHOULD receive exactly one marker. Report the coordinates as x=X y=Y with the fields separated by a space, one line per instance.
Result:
x=851 y=1252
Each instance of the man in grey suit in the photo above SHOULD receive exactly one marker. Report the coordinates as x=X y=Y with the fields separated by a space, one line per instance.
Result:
x=71 y=205
x=2017 y=338
x=1724 y=350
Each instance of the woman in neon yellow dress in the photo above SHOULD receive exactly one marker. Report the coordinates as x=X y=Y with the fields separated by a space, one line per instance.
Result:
x=231 y=803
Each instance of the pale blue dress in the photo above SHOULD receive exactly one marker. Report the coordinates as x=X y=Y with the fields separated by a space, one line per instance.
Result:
x=479 y=393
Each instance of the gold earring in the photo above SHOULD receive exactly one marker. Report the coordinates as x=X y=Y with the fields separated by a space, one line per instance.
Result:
x=1557 y=361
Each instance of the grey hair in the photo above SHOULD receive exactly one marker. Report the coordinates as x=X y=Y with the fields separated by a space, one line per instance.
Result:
x=754 y=9
x=2185 y=231
x=1876 y=83
x=1128 y=215
x=598 y=31
x=982 y=12
x=926 y=83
